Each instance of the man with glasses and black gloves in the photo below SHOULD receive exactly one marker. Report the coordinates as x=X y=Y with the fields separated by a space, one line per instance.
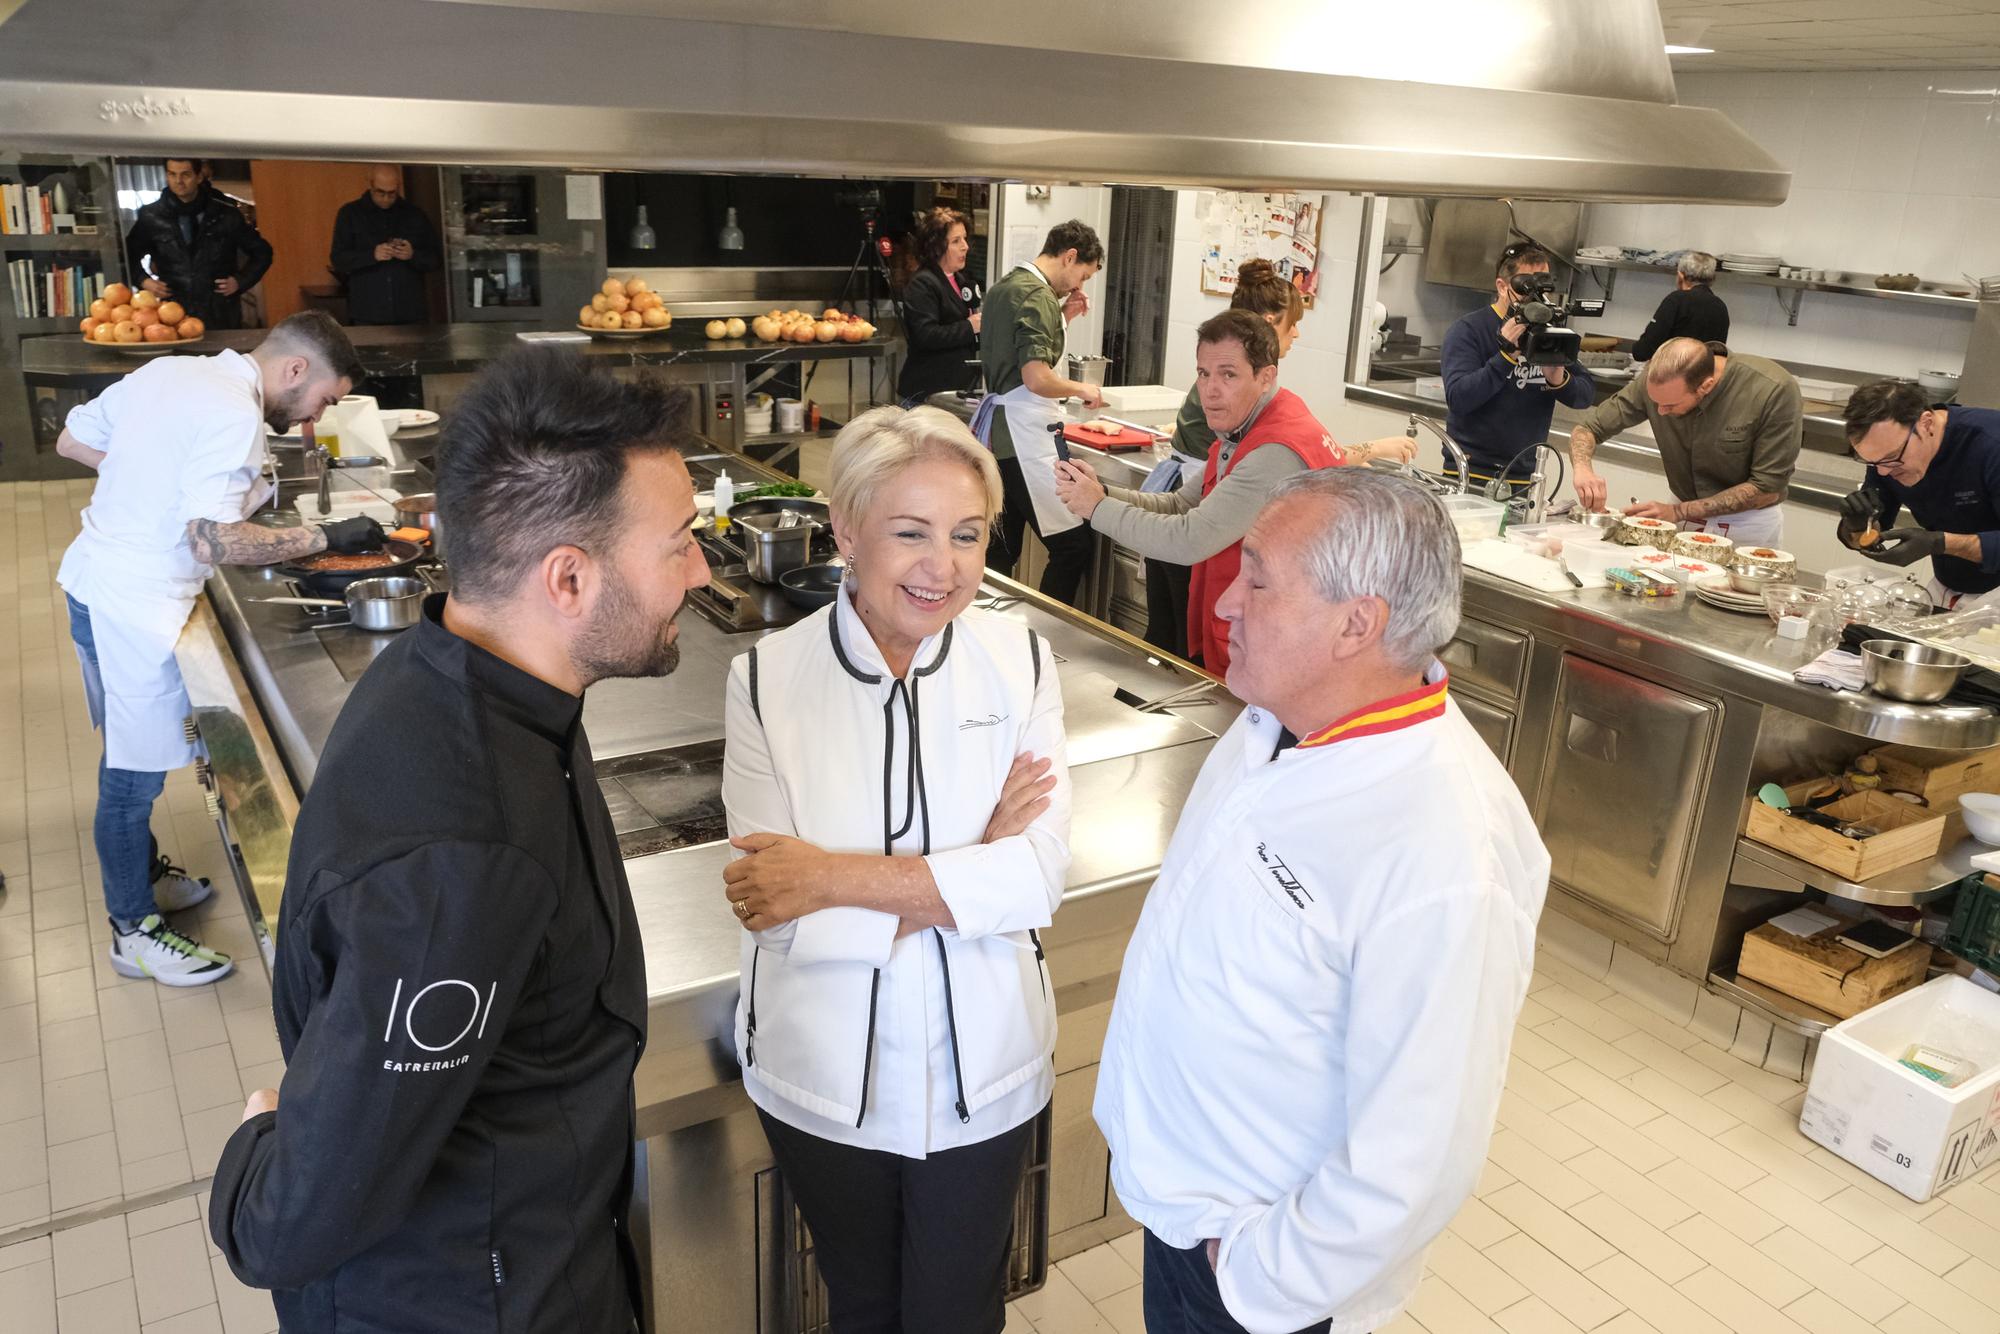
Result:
x=1728 y=426
x=1943 y=463
x=1495 y=410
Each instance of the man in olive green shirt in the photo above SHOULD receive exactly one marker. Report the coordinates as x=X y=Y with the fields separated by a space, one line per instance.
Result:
x=1728 y=426
x=1021 y=344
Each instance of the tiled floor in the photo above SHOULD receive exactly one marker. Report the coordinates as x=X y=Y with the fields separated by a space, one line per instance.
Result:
x=1645 y=1175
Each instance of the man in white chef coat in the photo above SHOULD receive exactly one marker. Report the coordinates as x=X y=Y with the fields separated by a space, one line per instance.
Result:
x=178 y=447
x=1311 y=1030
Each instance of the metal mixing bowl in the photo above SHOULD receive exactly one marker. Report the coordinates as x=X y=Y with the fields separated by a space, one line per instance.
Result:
x=1913 y=673
x=1755 y=579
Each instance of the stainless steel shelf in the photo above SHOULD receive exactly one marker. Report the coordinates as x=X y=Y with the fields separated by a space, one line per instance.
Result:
x=1786 y=1012
x=1765 y=867
x=1840 y=284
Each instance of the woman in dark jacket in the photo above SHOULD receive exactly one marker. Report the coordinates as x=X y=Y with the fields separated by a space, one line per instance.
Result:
x=940 y=322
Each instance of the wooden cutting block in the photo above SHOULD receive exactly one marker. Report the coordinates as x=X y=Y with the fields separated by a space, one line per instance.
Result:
x=1822 y=972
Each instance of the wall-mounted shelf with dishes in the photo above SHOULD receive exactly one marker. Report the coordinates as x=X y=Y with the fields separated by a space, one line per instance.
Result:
x=1791 y=291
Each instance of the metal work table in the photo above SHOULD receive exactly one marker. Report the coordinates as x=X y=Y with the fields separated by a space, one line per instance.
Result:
x=1636 y=728
x=267 y=687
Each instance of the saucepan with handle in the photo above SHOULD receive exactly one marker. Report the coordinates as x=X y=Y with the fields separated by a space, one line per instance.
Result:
x=384 y=603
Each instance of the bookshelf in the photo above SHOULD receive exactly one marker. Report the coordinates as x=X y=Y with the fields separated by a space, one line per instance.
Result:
x=27 y=444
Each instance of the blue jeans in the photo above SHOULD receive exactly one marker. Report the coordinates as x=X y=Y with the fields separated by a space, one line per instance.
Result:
x=122 y=830
x=1181 y=1296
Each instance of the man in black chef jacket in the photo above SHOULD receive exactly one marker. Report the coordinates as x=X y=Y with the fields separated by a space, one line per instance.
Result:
x=1941 y=462
x=383 y=245
x=459 y=989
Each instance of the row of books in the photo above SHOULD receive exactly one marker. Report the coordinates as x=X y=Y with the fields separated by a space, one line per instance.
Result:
x=29 y=210
x=50 y=291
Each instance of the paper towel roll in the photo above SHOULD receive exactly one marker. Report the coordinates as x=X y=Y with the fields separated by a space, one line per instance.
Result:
x=361 y=430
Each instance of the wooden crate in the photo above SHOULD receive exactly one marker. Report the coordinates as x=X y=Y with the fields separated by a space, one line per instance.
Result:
x=1822 y=972
x=1909 y=833
x=1940 y=777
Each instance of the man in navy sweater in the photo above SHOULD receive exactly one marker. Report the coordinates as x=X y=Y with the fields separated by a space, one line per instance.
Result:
x=1942 y=462
x=1493 y=415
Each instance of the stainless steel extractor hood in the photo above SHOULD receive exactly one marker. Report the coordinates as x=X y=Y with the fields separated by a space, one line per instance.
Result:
x=1569 y=99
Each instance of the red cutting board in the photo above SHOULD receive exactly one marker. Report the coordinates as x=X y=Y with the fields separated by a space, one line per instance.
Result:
x=1124 y=440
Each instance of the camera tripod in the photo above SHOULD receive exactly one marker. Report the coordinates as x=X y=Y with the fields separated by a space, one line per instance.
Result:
x=869 y=267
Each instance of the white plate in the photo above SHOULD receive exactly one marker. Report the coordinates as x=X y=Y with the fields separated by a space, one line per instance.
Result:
x=408 y=419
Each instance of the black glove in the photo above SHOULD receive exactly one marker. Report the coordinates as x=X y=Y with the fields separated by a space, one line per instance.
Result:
x=355 y=536
x=1859 y=509
x=1904 y=546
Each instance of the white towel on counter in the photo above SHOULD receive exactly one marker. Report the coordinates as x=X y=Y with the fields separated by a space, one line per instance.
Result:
x=1836 y=669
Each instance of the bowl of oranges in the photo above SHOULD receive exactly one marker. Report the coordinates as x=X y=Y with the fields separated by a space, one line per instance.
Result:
x=140 y=323
x=625 y=308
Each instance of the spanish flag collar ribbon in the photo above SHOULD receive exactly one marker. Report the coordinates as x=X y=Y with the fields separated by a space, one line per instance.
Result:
x=1384 y=715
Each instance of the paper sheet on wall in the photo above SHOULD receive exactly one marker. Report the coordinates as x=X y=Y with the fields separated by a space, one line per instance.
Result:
x=1236 y=227
x=583 y=198
x=1023 y=243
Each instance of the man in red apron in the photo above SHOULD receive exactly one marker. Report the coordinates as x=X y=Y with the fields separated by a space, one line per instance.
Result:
x=1236 y=376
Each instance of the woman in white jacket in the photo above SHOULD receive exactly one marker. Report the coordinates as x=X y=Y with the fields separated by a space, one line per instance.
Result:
x=896 y=785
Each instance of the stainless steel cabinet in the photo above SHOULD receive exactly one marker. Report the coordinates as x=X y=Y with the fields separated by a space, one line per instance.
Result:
x=1494 y=725
x=1621 y=789
x=1486 y=657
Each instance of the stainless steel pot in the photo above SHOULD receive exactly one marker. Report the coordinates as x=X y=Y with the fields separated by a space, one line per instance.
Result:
x=775 y=544
x=1089 y=370
x=381 y=604
x=419 y=511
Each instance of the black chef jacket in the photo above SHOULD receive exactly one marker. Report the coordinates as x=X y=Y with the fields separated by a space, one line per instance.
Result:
x=1958 y=493
x=384 y=291
x=461 y=999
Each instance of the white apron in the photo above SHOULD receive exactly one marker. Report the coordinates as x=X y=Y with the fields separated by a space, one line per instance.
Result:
x=135 y=624
x=1757 y=528
x=1029 y=417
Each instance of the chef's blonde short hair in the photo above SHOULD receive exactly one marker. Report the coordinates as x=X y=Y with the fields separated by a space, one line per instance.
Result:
x=874 y=447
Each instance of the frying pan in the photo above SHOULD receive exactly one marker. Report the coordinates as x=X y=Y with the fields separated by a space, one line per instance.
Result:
x=812 y=586
x=333 y=583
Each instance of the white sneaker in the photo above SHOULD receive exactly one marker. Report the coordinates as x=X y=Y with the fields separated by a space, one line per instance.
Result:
x=174 y=890
x=157 y=951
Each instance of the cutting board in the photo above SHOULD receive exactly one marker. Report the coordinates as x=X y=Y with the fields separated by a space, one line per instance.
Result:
x=1494 y=556
x=1110 y=444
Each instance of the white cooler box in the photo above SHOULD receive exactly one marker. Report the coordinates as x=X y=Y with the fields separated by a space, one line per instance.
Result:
x=1892 y=1122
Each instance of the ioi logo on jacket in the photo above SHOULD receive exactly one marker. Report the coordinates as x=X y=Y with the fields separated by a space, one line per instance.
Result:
x=438 y=1018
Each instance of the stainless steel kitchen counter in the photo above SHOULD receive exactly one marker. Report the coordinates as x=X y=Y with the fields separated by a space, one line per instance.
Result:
x=1690 y=638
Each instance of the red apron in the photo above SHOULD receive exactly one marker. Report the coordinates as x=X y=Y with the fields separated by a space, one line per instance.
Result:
x=1287 y=422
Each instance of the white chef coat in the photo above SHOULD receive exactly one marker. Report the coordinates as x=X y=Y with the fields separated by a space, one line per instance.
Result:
x=1752 y=528
x=183 y=439
x=1310 y=1036
x=854 y=1028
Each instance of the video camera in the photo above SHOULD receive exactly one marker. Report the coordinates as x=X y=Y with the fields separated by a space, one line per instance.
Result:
x=1548 y=340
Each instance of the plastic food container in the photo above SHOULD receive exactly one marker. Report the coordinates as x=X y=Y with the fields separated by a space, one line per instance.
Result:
x=1474 y=516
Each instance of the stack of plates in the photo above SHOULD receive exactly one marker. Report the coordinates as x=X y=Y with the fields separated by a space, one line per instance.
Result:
x=1715 y=590
x=1986 y=289
x=1744 y=263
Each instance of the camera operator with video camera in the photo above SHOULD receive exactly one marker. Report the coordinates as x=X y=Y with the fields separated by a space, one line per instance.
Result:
x=1728 y=426
x=1496 y=408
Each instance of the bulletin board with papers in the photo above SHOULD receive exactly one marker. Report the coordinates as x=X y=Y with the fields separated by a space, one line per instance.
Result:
x=1236 y=227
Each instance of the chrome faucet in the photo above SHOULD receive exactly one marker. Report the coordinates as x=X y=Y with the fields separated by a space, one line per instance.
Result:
x=1451 y=448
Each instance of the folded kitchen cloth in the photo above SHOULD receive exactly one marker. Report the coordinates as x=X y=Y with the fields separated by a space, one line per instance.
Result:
x=1836 y=669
